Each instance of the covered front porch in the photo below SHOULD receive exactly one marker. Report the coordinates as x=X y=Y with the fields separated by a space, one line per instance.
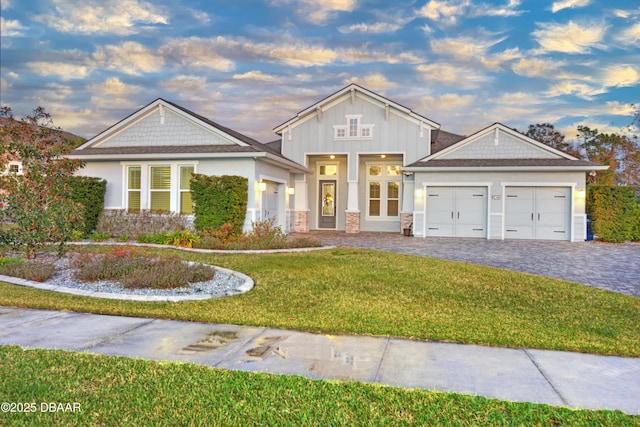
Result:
x=353 y=193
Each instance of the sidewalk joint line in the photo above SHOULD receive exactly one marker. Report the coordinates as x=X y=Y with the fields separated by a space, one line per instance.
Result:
x=547 y=379
x=384 y=353
x=111 y=337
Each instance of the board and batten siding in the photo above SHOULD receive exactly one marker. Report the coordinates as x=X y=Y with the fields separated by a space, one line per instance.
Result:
x=393 y=136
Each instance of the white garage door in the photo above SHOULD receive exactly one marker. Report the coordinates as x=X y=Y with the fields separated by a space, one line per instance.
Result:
x=456 y=211
x=537 y=213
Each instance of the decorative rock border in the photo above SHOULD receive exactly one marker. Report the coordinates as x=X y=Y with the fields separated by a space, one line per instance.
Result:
x=246 y=286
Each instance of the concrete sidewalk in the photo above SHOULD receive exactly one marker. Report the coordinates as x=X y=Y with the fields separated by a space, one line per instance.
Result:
x=557 y=378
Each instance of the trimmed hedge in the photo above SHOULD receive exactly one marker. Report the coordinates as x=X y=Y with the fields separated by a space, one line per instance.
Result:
x=219 y=200
x=614 y=212
x=635 y=233
x=89 y=192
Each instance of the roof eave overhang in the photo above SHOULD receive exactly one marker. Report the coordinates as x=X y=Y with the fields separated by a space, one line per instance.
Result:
x=145 y=111
x=165 y=156
x=289 y=164
x=269 y=158
x=345 y=91
x=504 y=168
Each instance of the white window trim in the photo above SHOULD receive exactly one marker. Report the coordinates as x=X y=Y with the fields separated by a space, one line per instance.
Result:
x=346 y=128
x=13 y=163
x=336 y=164
x=383 y=179
x=145 y=182
x=127 y=190
x=172 y=188
x=180 y=190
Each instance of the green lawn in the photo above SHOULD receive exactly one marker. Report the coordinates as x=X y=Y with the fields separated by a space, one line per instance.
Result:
x=367 y=292
x=113 y=391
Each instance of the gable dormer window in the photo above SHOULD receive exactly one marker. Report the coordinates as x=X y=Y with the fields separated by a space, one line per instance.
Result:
x=353 y=129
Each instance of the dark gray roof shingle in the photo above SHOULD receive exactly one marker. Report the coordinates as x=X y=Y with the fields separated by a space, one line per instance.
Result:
x=492 y=163
x=253 y=145
x=441 y=140
x=165 y=149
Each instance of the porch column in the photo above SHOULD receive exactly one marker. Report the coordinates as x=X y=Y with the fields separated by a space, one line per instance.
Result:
x=406 y=212
x=301 y=205
x=353 y=213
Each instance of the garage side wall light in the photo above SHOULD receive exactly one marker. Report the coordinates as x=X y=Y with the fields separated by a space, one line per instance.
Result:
x=418 y=192
x=262 y=186
x=291 y=191
x=581 y=194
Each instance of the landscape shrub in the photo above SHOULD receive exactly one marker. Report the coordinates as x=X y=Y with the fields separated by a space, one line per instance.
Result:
x=138 y=271
x=7 y=236
x=635 y=231
x=117 y=223
x=263 y=235
x=99 y=237
x=10 y=260
x=112 y=266
x=184 y=238
x=89 y=192
x=168 y=273
x=17 y=267
x=613 y=212
x=219 y=200
x=38 y=200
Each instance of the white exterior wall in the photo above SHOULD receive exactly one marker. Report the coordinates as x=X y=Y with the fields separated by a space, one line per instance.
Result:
x=114 y=173
x=280 y=178
x=496 y=182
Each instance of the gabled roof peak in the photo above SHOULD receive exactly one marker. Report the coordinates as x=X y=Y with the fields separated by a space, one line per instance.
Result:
x=495 y=127
x=353 y=88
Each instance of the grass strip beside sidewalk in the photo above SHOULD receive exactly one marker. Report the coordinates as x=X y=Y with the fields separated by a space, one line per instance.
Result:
x=119 y=391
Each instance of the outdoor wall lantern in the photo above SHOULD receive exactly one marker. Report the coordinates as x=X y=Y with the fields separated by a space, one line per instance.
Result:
x=418 y=192
x=581 y=194
x=291 y=191
x=262 y=186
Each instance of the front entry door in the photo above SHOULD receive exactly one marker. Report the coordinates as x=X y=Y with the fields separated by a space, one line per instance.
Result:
x=327 y=204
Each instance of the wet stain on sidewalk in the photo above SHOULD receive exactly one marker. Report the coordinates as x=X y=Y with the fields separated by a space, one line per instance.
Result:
x=214 y=340
x=265 y=346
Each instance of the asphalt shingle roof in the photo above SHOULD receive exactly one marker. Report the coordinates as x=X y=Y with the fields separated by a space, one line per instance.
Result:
x=456 y=163
x=442 y=140
x=253 y=145
x=196 y=149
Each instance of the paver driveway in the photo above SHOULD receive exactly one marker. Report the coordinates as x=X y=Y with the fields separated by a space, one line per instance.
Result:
x=615 y=267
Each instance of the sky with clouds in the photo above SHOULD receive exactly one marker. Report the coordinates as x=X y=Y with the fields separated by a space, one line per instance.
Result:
x=252 y=65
